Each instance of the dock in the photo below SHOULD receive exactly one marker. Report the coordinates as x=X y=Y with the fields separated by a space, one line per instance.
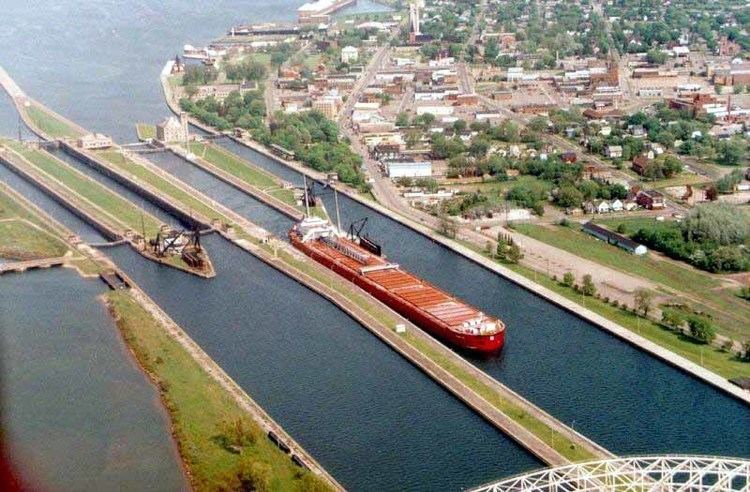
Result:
x=241 y=185
x=22 y=266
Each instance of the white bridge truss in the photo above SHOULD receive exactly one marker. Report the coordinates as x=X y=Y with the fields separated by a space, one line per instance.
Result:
x=642 y=473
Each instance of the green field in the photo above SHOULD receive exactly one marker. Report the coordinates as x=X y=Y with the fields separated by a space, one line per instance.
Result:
x=20 y=240
x=242 y=170
x=13 y=209
x=51 y=125
x=701 y=290
x=712 y=358
x=145 y=131
x=118 y=207
x=201 y=411
x=125 y=164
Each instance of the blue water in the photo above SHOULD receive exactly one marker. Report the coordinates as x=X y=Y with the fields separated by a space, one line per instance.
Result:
x=77 y=411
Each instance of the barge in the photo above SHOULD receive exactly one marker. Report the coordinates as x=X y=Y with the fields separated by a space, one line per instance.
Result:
x=359 y=260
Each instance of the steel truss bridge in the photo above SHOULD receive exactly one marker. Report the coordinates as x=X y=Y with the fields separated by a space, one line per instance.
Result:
x=641 y=473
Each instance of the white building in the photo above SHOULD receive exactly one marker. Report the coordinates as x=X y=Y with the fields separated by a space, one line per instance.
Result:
x=408 y=169
x=94 y=141
x=435 y=110
x=349 y=54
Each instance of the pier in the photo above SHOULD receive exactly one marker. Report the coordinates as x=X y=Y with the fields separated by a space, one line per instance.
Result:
x=22 y=266
x=242 y=185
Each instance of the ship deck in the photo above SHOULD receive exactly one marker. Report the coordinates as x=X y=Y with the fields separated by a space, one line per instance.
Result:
x=420 y=294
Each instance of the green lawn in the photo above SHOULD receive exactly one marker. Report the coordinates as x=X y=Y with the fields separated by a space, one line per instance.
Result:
x=200 y=410
x=123 y=210
x=20 y=240
x=51 y=125
x=188 y=201
x=234 y=165
x=680 y=180
x=145 y=131
x=701 y=290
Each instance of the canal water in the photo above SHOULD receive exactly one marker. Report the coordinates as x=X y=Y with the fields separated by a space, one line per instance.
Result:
x=78 y=414
x=371 y=418
x=614 y=393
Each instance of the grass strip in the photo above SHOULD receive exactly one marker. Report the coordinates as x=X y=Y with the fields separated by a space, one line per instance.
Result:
x=50 y=124
x=219 y=444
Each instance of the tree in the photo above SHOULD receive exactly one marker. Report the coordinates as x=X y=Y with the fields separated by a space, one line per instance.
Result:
x=730 y=152
x=568 y=279
x=588 y=288
x=643 y=299
x=402 y=119
x=701 y=329
x=716 y=222
x=568 y=197
x=672 y=318
x=491 y=50
x=656 y=56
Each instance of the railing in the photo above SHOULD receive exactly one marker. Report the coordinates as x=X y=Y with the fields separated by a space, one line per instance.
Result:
x=660 y=473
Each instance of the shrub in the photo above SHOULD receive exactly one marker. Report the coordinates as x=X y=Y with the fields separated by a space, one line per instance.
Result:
x=568 y=279
x=701 y=329
x=588 y=288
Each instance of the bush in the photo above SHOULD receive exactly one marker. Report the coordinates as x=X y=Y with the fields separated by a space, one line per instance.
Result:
x=568 y=279
x=588 y=288
x=701 y=329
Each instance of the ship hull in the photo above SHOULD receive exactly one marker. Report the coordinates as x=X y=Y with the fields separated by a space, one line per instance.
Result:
x=485 y=344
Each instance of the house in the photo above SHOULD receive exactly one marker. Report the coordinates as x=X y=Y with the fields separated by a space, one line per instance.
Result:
x=408 y=169
x=614 y=151
x=650 y=199
x=629 y=205
x=616 y=205
x=614 y=238
x=172 y=129
x=602 y=207
x=349 y=54
x=639 y=164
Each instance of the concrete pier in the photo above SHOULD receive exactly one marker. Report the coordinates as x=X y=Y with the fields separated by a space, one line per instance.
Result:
x=239 y=184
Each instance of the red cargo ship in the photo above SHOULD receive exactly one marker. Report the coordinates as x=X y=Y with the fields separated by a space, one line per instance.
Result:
x=358 y=260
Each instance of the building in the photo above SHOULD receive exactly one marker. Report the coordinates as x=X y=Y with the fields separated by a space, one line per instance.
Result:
x=349 y=54
x=328 y=106
x=614 y=238
x=94 y=141
x=650 y=199
x=408 y=169
x=172 y=129
x=614 y=151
